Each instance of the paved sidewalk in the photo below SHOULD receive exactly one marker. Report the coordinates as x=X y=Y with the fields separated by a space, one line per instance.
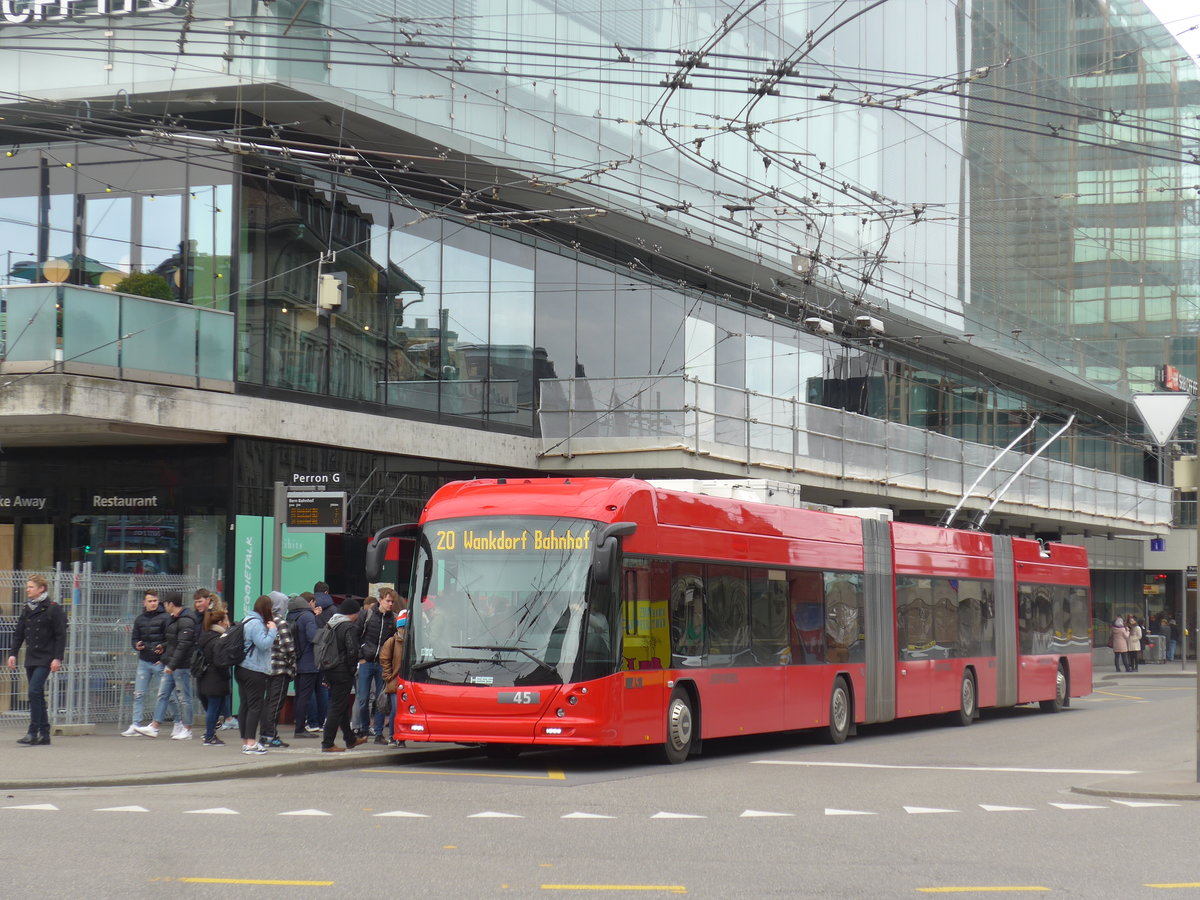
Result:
x=1173 y=784
x=106 y=759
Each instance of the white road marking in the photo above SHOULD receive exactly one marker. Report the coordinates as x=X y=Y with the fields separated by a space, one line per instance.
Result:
x=668 y=815
x=48 y=807
x=494 y=815
x=848 y=812
x=215 y=811
x=401 y=814
x=987 y=808
x=122 y=809
x=849 y=765
x=1139 y=803
x=583 y=815
x=1078 y=806
x=924 y=810
x=756 y=813
x=305 y=812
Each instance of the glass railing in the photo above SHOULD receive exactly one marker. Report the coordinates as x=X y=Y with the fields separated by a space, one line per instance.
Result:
x=88 y=331
x=608 y=415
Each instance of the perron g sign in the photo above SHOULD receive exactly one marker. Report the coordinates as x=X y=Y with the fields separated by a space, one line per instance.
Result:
x=28 y=12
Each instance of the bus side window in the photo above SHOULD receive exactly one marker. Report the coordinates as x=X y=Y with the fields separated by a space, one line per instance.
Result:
x=687 y=614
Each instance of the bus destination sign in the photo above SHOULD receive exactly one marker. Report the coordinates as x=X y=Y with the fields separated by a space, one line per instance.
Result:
x=323 y=511
x=501 y=540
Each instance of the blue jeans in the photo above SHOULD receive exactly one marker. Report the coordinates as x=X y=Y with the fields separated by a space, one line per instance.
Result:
x=211 y=714
x=369 y=673
x=39 y=720
x=146 y=672
x=1171 y=648
x=179 y=683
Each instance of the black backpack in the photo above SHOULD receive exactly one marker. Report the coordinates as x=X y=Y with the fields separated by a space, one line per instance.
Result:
x=230 y=649
x=200 y=662
x=327 y=654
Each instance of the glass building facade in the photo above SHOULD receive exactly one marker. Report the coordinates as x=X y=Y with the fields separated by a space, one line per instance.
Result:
x=516 y=193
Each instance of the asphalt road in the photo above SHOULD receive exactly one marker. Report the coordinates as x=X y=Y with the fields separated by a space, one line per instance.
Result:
x=899 y=811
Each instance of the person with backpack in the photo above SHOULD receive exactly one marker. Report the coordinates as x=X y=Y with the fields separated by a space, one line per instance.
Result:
x=257 y=635
x=42 y=628
x=211 y=679
x=179 y=640
x=336 y=653
x=283 y=669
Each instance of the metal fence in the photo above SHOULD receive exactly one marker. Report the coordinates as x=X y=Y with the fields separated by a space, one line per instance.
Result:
x=95 y=684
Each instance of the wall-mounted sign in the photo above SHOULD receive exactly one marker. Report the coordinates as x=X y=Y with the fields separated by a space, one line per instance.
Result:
x=100 y=501
x=22 y=502
x=319 y=480
x=316 y=511
x=29 y=12
x=1171 y=379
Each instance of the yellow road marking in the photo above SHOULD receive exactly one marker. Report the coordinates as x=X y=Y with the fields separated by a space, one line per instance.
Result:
x=1182 y=884
x=1009 y=888
x=255 y=881
x=551 y=775
x=668 y=888
x=1121 y=696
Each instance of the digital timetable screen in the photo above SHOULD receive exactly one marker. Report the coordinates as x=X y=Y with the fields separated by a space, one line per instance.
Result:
x=316 y=511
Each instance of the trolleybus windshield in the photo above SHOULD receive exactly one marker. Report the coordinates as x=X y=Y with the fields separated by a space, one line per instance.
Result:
x=505 y=602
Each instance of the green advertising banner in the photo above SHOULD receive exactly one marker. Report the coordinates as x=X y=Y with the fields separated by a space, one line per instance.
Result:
x=303 y=561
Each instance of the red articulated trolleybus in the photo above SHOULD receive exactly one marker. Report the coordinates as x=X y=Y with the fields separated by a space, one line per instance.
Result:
x=616 y=612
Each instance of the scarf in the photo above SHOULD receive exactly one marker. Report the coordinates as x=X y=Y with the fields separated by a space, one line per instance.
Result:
x=33 y=604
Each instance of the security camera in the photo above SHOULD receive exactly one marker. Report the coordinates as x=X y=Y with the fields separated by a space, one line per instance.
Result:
x=818 y=325
x=869 y=323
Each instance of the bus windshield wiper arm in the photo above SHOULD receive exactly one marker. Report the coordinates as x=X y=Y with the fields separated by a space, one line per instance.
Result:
x=430 y=663
x=497 y=648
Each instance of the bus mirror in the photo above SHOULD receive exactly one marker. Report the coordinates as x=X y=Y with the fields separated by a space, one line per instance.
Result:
x=378 y=545
x=606 y=550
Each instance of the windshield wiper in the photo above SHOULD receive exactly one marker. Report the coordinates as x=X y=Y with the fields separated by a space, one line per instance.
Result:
x=430 y=663
x=499 y=648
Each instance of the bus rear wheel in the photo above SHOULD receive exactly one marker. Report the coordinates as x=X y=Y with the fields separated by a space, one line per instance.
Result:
x=1060 y=693
x=968 y=701
x=839 y=712
x=680 y=725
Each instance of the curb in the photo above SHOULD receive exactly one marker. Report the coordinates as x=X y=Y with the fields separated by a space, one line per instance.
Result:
x=1165 y=794
x=262 y=769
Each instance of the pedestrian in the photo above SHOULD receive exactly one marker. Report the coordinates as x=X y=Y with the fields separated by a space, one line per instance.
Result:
x=42 y=630
x=215 y=680
x=255 y=671
x=1173 y=646
x=341 y=678
x=283 y=670
x=148 y=638
x=376 y=625
x=1119 y=641
x=179 y=640
x=302 y=620
x=390 y=658
x=325 y=602
x=1135 y=643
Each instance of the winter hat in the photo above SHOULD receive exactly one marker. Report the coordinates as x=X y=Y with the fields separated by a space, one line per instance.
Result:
x=297 y=603
x=349 y=607
x=324 y=601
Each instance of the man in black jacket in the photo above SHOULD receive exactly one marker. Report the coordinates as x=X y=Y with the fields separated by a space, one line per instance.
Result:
x=42 y=629
x=148 y=638
x=179 y=642
x=341 y=678
x=376 y=626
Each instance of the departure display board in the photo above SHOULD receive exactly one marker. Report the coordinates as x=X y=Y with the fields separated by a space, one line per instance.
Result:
x=323 y=511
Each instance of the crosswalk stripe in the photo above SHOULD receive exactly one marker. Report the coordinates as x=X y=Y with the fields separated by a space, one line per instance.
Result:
x=494 y=815
x=123 y=809
x=671 y=815
x=924 y=810
x=848 y=812
x=48 y=807
x=401 y=814
x=584 y=815
x=305 y=812
x=215 y=811
x=988 y=808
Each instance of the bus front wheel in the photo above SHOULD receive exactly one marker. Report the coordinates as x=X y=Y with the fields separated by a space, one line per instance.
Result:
x=680 y=724
x=839 y=712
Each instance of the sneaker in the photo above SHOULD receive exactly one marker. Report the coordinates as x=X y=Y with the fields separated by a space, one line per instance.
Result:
x=175 y=729
x=395 y=743
x=213 y=741
x=150 y=730
x=313 y=729
x=334 y=749
x=230 y=724
x=275 y=743
x=380 y=739
x=254 y=750
x=131 y=731
x=183 y=734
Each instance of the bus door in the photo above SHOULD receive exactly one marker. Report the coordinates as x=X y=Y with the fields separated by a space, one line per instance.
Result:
x=917 y=649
